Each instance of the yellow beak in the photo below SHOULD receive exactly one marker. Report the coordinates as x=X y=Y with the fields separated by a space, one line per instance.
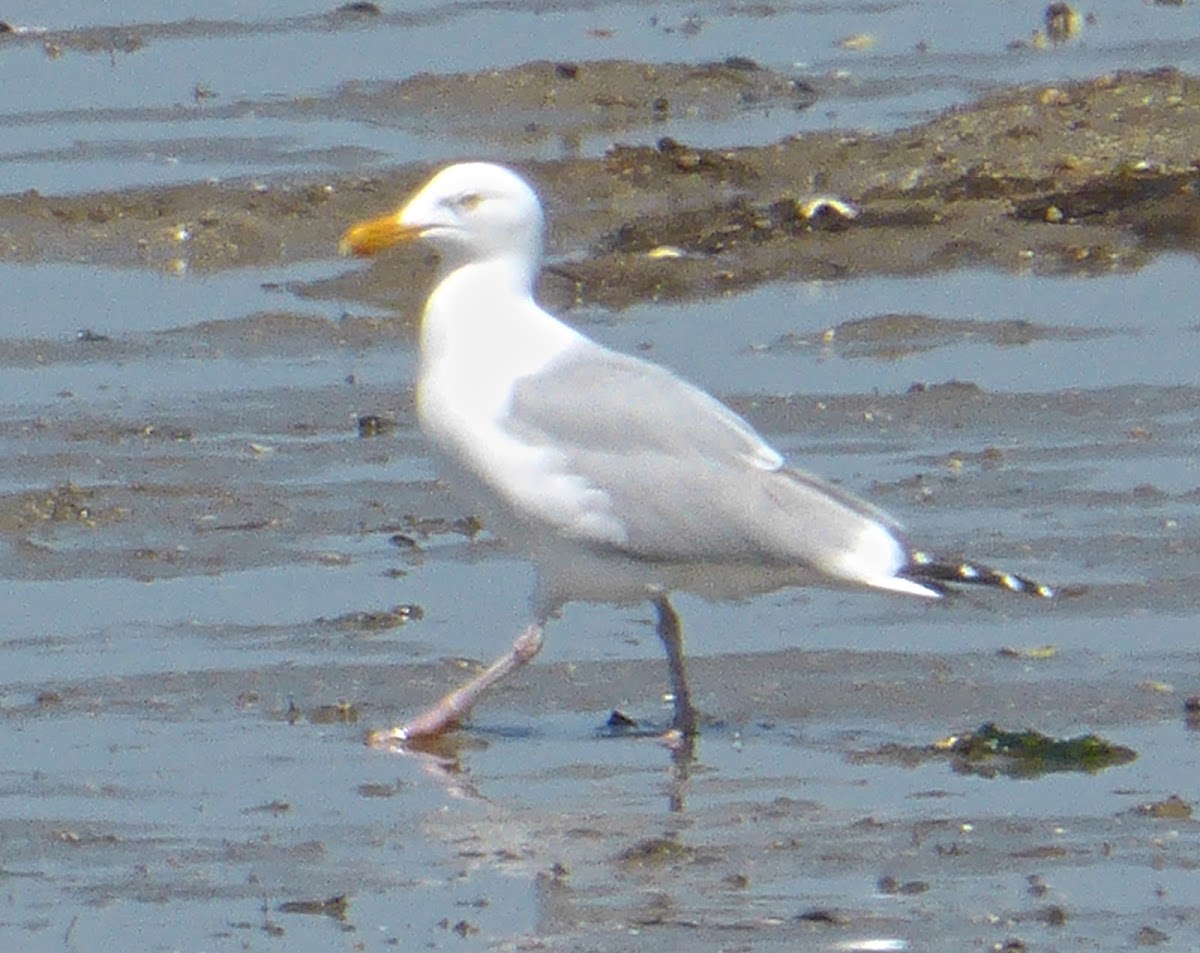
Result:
x=373 y=236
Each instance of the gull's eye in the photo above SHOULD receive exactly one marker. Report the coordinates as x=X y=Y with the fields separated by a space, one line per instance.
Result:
x=468 y=201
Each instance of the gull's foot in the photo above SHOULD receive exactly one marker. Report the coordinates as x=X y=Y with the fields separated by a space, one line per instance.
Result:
x=443 y=747
x=387 y=739
x=423 y=732
x=436 y=755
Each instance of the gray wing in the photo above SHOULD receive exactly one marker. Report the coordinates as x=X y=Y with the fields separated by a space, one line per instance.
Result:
x=687 y=478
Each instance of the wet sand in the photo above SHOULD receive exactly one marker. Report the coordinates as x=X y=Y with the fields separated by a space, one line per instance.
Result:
x=219 y=590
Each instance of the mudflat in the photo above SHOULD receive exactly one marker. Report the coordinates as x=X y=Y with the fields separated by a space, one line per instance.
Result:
x=230 y=556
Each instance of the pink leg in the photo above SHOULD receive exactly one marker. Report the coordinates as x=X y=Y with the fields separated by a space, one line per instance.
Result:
x=454 y=707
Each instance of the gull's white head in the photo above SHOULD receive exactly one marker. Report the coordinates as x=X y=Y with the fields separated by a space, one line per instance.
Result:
x=470 y=212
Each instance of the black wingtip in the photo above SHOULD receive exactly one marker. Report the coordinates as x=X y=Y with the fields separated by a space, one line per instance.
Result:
x=937 y=573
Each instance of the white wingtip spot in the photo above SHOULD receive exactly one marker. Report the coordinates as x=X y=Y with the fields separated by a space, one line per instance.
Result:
x=902 y=585
x=875 y=560
x=764 y=457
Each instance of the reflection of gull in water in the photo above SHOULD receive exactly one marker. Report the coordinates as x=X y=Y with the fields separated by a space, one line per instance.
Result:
x=622 y=481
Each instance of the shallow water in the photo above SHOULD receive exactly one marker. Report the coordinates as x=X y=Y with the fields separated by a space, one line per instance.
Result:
x=193 y=531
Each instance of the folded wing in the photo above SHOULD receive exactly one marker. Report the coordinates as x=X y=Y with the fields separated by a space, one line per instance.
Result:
x=685 y=479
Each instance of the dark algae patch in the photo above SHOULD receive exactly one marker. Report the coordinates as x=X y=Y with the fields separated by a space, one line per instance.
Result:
x=991 y=750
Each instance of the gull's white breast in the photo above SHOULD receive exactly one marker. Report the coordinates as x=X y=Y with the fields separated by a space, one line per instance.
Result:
x=479 y=337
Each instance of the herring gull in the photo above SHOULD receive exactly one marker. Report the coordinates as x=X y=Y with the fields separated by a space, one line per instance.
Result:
x=620 y=480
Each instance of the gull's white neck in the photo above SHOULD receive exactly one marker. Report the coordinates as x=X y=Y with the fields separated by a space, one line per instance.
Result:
x=481 y=332
x=486 y=309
